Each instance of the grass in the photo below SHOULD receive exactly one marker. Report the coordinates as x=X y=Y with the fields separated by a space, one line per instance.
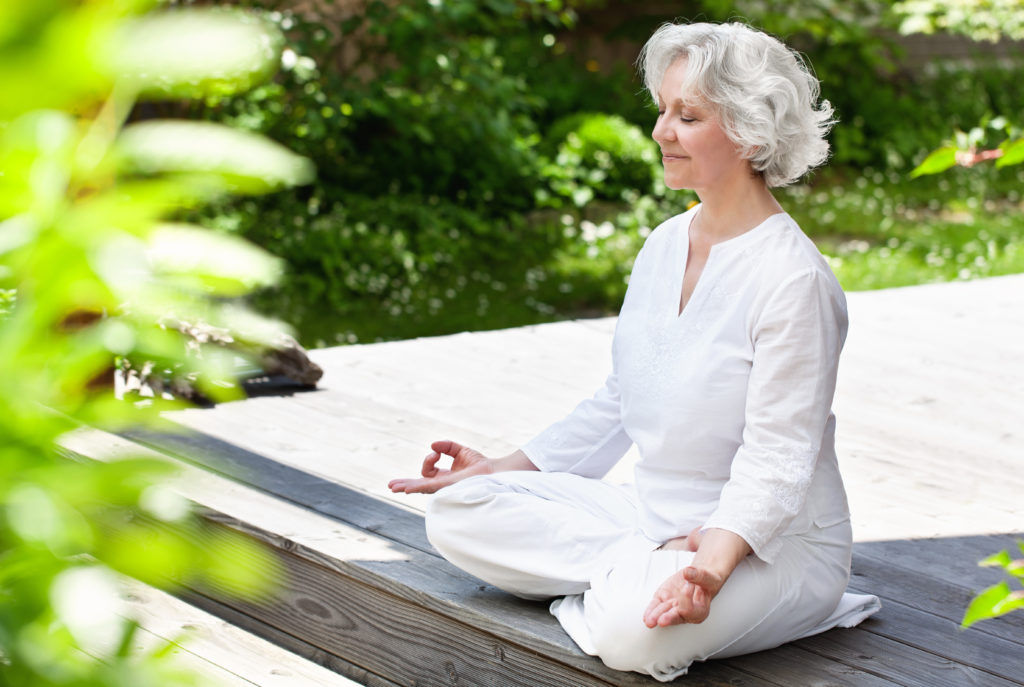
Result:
x=881 y=231
x=878 y=230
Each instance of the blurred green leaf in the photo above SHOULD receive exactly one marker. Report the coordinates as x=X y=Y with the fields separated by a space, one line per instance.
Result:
x=247 y=162
x=996 y=560
x=35 y=155
x=1013 y=154
x=938 y=161
x=195 y=53
x=985 y=605
x=218 y=264
x=90 y=275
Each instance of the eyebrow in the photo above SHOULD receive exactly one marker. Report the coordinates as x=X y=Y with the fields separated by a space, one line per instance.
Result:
x=682 y=103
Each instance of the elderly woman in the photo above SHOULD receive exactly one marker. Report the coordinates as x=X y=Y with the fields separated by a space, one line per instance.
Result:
x=736 y=536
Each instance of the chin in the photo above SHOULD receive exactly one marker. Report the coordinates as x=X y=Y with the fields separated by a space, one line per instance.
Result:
x=676 y=185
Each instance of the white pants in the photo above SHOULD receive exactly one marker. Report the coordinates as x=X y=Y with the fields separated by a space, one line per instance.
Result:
x=539 y=535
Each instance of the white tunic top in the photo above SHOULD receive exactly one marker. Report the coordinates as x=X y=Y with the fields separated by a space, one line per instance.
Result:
x=729 y=403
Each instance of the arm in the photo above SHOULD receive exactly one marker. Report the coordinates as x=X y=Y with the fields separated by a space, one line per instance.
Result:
x=686 y=596
x=466 y=462
x=588 y=441
x=797 y=339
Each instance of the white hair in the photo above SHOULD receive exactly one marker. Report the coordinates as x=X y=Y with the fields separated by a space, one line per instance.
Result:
x=763 y=92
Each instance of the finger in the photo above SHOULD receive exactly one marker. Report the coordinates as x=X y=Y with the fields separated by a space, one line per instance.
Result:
x=430 y=464
x=654 y=614
x=699 y=576
x=672 y=617
x=693 y=539
x=657 y=601
x=448 y=447
x=421 y=486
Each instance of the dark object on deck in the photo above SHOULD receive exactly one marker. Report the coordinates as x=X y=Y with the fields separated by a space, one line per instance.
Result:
x=279 y=368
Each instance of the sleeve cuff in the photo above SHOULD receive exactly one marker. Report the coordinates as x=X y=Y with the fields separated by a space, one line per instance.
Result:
x=767 y=551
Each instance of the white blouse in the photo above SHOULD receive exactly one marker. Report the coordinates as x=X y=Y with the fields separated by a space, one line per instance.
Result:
x=729 y=402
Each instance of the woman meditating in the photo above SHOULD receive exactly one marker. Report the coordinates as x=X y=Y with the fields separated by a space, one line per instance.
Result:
x=736 y=536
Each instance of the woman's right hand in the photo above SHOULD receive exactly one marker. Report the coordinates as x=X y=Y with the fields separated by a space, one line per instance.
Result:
x=466 y=462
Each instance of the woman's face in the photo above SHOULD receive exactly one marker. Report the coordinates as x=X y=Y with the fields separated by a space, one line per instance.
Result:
x=695 y=151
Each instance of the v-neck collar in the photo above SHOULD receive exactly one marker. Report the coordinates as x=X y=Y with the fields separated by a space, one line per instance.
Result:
x=729 y=245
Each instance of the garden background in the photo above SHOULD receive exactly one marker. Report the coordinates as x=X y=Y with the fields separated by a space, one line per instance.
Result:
x=489 y=164
x=479 y=164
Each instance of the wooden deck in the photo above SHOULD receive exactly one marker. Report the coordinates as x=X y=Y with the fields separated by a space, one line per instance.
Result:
x=931 y=444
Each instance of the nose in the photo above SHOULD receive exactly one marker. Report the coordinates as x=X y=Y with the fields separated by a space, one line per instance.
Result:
x=662 y=131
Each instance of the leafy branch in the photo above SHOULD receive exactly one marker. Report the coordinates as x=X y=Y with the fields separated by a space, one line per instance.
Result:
x=998 y=599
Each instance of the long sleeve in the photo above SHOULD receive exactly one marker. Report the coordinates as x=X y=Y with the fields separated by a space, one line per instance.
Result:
x=588 y=441
x=797 y=338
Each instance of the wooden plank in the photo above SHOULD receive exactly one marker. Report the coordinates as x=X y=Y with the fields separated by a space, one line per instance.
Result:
x=245 y=656
x=388 y=567
x=372 y=627
x=969 y=652
x=301 y=488
x=944 y=638
x=286 y=641
x=905 y=665
x=413 y=576
x=951 y=559
x=210 y=674
x=917 y=589
x=793 y=666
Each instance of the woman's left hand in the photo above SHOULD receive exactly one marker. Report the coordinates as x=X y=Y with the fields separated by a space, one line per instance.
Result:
x=685 y=597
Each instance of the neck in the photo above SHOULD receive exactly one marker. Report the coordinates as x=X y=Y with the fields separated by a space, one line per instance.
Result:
x=731 y=209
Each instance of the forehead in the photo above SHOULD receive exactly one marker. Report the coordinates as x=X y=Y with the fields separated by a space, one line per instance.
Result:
x=677 y=87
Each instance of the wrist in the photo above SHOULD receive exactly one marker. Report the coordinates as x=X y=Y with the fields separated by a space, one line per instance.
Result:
x=720 y=551
x=516 y=460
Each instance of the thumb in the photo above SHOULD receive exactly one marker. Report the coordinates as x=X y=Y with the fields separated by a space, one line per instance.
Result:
x=698 y=576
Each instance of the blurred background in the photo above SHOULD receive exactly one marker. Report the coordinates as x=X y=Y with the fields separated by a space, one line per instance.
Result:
x=489 y=164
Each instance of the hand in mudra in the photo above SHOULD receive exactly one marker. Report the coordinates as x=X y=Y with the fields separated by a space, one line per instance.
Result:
x=466 y=462
x=685 y=597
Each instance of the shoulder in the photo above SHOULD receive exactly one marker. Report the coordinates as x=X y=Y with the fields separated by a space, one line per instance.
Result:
x=789 y=257
x=793 y=275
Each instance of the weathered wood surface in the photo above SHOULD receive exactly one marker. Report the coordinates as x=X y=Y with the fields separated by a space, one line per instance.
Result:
x=931 y=444
x=222 y=653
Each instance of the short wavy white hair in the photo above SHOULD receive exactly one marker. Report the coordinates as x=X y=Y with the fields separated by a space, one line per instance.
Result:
x=763 y=92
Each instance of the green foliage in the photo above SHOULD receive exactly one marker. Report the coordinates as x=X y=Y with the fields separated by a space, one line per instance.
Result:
x=998 y=599
x=431 y=163
x=964 y=147
x=90 y=270
x=977 y=19
x=447 y=170
x=599 y=157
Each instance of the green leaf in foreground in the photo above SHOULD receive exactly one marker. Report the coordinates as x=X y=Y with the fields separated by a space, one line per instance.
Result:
x=197 y=53
x=938 y=161
x=248 y=163
x=1013 y=154
x=985 y=605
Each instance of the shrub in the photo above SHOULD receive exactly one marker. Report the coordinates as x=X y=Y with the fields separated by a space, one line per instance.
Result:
x=599 y=157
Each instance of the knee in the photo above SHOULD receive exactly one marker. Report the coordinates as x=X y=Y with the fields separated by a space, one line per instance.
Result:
x=619 y=636
x=614 y=609
x=624 y=642
x=453 y=514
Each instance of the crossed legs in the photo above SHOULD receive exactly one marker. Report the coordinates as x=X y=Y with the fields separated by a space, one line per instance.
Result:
x=542 y=535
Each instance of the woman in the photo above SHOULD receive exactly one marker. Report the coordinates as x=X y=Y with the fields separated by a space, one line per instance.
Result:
x=737 y=535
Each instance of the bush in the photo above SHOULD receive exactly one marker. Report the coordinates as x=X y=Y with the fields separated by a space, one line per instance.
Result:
x=90 y=271
x=599 y=157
